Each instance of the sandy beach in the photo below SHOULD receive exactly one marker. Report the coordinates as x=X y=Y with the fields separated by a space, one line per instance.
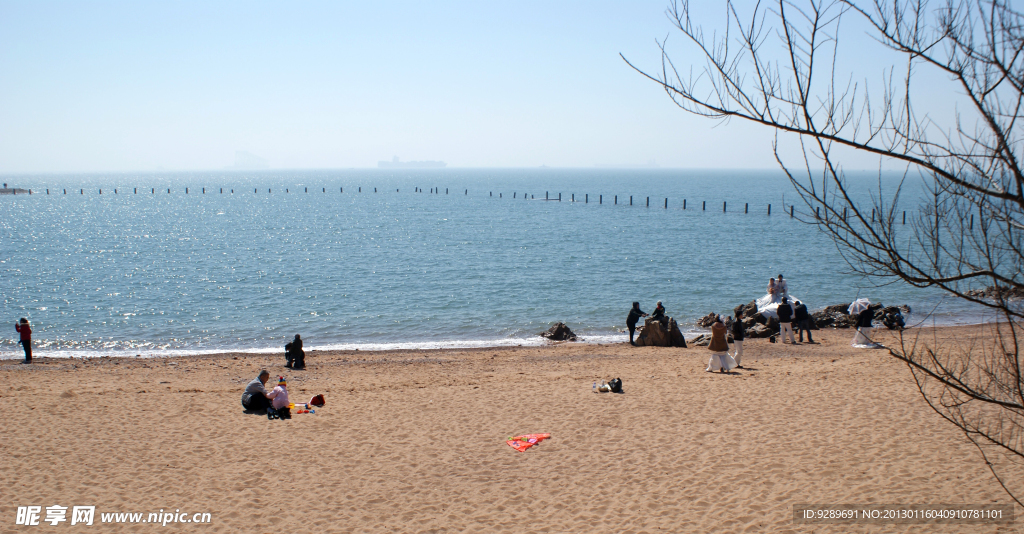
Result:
x=414 y=441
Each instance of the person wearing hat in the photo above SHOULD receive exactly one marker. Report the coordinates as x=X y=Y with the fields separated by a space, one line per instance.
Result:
x=279 y=398
x=255 y=396
x=634 y=315
x=26 y=338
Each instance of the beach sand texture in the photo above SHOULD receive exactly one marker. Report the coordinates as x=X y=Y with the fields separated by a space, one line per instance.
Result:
x=414 y=441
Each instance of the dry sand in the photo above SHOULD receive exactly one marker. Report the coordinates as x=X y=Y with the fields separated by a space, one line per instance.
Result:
x=413 y=441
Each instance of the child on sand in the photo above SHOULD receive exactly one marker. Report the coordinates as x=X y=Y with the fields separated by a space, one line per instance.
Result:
x=279 y=399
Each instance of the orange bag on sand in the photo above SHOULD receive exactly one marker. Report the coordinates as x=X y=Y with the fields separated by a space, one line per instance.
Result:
x=525 y=441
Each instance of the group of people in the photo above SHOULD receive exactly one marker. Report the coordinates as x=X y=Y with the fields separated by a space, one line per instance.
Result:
x=275 y=403
x=636 y=313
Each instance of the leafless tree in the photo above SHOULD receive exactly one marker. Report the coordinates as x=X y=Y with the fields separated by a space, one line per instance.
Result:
x=779 y=66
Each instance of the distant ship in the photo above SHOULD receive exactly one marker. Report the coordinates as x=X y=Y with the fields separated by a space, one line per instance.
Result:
x=395 y=164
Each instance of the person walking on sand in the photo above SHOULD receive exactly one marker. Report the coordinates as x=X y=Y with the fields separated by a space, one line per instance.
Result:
x=255 y=396
x=634 y=315
x=785 y=312
x=719 y=347
x=25 y=330
x=738 y=333
x=803 y=321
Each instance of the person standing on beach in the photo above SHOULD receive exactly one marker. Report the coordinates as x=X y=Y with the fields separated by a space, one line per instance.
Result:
x=255 y=396
x=738 y=333
x=803 y=321
x=785 y=312
x=719 y=346
x=634 y=315
x=25 y=330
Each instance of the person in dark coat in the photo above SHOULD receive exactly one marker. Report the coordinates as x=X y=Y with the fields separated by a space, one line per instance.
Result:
x=634 y=315
x=738 y=333
x=659 y=313
x=294 y=354
x=785 y=311
x=803 y=321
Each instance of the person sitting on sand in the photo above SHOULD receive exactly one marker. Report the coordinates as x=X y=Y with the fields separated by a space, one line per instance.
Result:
x=634 y=315
x=659 y=313
x=720 y=359
x=279 y=396
x=255 y=396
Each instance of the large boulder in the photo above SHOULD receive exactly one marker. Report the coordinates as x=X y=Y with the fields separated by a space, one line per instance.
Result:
x=707 y=320
x=655 y=334
x=746 y=310
x=758 y=331
x=892 y=317
x=559 y=332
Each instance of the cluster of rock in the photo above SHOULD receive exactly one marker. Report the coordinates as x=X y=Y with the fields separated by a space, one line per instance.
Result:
x=657 y=334
x=757 y=325
x=996 y=292
x=559 y=332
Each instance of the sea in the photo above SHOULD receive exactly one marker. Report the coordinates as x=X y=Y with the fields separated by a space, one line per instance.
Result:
x=178 y=263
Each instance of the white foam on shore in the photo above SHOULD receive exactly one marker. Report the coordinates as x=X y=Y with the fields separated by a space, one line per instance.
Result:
x=533 y=341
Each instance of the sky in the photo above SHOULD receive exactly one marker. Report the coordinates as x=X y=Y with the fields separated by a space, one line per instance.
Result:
x=145 y=86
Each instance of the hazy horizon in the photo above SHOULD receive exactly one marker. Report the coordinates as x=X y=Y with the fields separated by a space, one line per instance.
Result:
x=138 y=87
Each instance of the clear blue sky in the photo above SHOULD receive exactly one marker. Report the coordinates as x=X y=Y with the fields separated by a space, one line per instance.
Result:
x=119 y=86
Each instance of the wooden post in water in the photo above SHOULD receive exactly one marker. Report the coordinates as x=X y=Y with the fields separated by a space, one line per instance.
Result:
x=186 y=190
x=791 y=211
x=723 y=207
x=704 y=205
x=904 y=217
x=600 y=199
x=559 y=197
x=666 y=203
x=135 y=191
x=545 y=195
x=573 y=198
x=616 y=200
x=101 y=191
x=769 y=209
x=746 y=207
x=817 y=212
x=972 y=221
x=684 y=203
x=648 y=202
x=630 y=200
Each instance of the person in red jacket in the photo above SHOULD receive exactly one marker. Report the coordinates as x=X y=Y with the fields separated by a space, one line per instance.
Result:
x=26 y=338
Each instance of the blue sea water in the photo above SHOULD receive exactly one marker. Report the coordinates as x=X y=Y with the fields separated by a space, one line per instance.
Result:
x=376 y=259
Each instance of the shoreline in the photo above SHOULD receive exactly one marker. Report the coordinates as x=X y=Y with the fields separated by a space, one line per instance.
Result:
x=429 y=347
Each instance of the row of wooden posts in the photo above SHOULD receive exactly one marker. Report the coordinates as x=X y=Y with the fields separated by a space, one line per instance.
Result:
x=586 y=199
